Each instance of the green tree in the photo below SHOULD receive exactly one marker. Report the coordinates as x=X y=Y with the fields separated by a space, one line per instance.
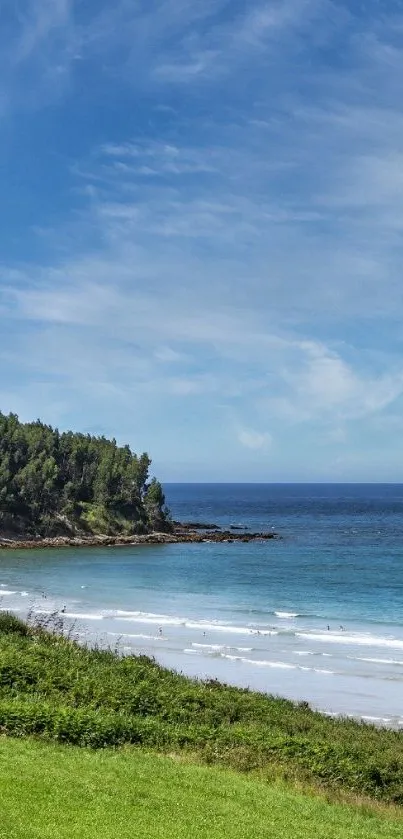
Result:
x=46 y=476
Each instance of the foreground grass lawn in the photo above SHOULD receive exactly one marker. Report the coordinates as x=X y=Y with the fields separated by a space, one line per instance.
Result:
x=49 y=791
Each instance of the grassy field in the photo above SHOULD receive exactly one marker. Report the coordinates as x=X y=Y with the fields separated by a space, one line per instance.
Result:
x=55 y=689
x=49 y=790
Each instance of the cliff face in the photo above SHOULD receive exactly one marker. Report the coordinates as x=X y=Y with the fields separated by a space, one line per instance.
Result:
x=93 y=521
x=58 y=524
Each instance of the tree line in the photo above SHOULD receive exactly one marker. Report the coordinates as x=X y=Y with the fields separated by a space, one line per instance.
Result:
x=50 y=481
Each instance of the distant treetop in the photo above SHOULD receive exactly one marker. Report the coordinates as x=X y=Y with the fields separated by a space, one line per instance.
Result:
x=52 y=482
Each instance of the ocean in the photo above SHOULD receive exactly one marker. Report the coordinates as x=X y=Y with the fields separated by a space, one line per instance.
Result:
x=316 y=615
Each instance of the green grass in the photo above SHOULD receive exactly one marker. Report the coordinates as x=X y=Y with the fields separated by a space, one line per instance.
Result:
x=49 y=791
x=55 y=689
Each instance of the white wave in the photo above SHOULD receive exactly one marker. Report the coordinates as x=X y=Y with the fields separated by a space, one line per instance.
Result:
x=304 y=652
x=311 y=652
x=125 y=613
x=232 y=630
x=204 y=625
x=376 y=660
x=261 y=663
x=145 y=617
x=359 y=640
x=24 y=594
x=6 y=592
x=142 y=636
x=287 y=614
x=155 y=621
x=305 y=669
x=258 y=663
x=218 y=652
x=83 y=616
x=221 y=647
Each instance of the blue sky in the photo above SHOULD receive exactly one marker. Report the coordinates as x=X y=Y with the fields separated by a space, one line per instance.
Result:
x=201 y=225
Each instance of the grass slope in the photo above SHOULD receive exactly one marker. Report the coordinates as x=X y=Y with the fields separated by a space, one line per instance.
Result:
x=53 y=688
x=50 y=791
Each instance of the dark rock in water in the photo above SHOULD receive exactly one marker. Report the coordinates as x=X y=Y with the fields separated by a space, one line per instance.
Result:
x=227 y=536
x=177 y=536
x=195 y=525
x=239 y=527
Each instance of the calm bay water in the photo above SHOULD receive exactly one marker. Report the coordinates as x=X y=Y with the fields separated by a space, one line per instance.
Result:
x=316 y=615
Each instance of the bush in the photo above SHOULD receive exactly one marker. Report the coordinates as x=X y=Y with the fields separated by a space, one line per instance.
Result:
x=10 y=624
x=52 y=687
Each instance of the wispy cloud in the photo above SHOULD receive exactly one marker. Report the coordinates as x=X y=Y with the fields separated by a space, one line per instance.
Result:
x=39 y=24
x=252 y=439
x=156 y=158
x=224 y=249
x=38 y=44
x=183 y=41
x=145 y=44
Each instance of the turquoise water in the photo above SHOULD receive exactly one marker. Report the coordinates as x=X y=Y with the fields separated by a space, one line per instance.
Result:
x=316 y=615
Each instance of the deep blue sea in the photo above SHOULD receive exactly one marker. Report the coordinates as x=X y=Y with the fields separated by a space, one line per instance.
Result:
x=316 y=614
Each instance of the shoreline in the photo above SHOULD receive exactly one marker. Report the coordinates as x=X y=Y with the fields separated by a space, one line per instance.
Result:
x=75 y=627
x=206 y=652
x=181 y=534
x=232 y=726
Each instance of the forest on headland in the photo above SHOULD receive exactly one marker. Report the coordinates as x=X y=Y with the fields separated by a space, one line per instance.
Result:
x=59 y=483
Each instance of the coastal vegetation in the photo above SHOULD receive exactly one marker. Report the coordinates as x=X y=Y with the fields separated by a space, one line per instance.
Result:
x=54 y=483
x=55 y=689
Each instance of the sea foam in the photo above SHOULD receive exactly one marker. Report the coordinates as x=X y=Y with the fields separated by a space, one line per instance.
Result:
x=287 y=615
x=173 y=620
x=358 y=640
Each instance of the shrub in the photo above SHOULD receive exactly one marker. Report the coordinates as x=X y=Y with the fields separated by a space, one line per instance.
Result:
x=10 y=624
x=52 y=687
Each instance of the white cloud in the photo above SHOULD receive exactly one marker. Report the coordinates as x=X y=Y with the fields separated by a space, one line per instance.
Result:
x=40 y=21
x=190 y=385
x=156 y=158
x=168 y=356
x=48 y=44
x=262 y=28
x=338 y=434
x=328 y=384
x=39 y=42
x=245 y=247
x=282 y=377
x=255 y=440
